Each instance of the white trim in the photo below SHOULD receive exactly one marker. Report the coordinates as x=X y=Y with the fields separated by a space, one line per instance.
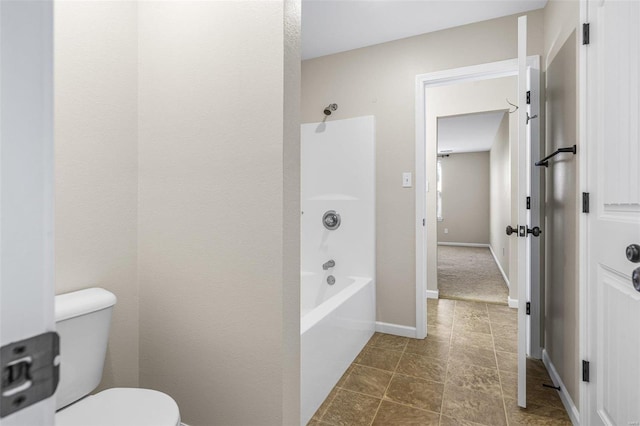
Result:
x=464 y=244
x=513 y=303
x=433 y=294
x=395 y=329
x=571 y=408
x=504 y=275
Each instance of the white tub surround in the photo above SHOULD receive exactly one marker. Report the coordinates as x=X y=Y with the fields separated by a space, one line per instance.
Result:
x=338 y=279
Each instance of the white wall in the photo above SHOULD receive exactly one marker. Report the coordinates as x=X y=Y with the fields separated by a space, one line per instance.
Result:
x=500 y=195
x=338 y=173
x=218 y=177
x=96 y=162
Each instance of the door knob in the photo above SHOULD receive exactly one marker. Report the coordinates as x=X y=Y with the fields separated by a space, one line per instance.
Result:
x=535 y=231
x=635 y=279
x=512 y=230
x=633 y=253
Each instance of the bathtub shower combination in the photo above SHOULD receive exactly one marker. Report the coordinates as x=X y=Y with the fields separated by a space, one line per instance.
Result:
x=337 y=301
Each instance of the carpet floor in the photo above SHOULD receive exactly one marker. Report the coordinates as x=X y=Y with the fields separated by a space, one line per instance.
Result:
x=470 y=273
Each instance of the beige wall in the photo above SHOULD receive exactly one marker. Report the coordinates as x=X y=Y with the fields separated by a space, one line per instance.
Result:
x=465 y=198
x=380 y=80
x=218 y=228
x=500 y=195
x=96 y=165
x=562 y=209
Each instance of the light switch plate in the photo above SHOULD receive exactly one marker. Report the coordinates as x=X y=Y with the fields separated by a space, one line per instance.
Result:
x=406 y=180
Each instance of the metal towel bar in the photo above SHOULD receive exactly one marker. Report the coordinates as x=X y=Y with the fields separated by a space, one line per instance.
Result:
x=545 y=160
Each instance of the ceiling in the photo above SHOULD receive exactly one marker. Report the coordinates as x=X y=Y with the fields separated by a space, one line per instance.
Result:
x=469 y=132
x=332 y=26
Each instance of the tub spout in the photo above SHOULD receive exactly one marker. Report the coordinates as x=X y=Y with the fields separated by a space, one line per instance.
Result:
x=329 y=264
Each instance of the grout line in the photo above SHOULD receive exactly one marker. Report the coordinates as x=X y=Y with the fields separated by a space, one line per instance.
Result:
x=393 y=373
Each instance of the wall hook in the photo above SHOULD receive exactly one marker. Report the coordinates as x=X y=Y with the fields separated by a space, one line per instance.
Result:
x=513 y=105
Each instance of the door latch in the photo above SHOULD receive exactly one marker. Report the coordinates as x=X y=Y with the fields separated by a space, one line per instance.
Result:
x=30 y=371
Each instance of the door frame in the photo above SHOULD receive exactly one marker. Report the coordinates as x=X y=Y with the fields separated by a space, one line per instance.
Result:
x=506 y=68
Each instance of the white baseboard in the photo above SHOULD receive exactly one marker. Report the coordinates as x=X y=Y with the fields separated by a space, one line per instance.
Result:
x=463 y=244
x=513 y=303
x=395 y=329
x=504 y=276
x=571 y=408
x=433 y=294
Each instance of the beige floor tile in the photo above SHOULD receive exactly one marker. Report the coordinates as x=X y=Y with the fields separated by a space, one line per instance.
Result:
x=505 y=345
x=473 y=355
x=441 y=320
x=344 y=376
x=388 y=341
x=466 y=339
x=509 y=382
x=429 y=347
x=367 y=380
x=507 y=362
x=351 y=409
x=394 y=414
x=469 y=326
x=423 y=367
x=474 y=378
x=534 y=414
x=383 y=359
x=449 y=421
x=415 y=392
x=509 y=317
x=505 y=331
x=462 y=305
x=471 y=315
x=535 y=367
x=323 y=408
x=439 y=332
x=479 y=407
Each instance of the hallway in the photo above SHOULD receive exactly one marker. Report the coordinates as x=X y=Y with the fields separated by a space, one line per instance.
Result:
x=470 y=273
x=463 y=373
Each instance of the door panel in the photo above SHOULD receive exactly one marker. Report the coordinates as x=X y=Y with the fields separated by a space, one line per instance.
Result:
x=614 y=162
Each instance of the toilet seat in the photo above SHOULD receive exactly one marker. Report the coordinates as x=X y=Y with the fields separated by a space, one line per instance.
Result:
x=121 y=407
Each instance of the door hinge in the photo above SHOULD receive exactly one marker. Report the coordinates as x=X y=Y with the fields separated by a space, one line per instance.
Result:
x=585 y=33
x=423 y=221
x=528 y=97
x=585 y=202
x=30 y=371
x=585 y=371
x=528 y=308
x=528 y=203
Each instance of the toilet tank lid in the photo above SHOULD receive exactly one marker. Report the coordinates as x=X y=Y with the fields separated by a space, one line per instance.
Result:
x=76 y=303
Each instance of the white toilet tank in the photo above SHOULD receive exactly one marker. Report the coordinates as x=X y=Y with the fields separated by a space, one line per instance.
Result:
x=82 y=320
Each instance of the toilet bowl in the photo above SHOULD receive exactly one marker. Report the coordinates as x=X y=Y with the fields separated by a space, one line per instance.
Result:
x=82 y=320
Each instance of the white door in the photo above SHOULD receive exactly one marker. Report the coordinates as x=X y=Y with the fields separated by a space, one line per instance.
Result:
x=613 y=304
x=26 y=211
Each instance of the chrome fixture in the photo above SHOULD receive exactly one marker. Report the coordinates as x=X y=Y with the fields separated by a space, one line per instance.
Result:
x=329 y=264
x=331 y=220
x=331 y=280
x=332 y=107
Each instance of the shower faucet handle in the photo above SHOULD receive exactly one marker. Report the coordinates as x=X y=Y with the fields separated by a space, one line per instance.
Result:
x=329 y=264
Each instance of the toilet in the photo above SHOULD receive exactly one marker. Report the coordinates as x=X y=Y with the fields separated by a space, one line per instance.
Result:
x=82 y=320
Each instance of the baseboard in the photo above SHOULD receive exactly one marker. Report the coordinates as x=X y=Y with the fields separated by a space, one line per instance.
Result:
x=463 y=244
x=504 y=276
x=571 y=408
x=433 y=294
x=513 y=303
x=395 y=329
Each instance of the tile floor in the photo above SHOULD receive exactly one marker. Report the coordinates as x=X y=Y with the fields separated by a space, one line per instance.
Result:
x=463 y=373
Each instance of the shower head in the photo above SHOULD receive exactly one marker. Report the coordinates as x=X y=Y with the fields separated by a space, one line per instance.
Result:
x=332 y=107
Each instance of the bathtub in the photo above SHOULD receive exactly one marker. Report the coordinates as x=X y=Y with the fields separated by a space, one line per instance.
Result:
x=336 y=322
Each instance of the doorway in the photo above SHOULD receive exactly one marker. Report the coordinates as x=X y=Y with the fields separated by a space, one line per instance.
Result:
x=473 y=197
